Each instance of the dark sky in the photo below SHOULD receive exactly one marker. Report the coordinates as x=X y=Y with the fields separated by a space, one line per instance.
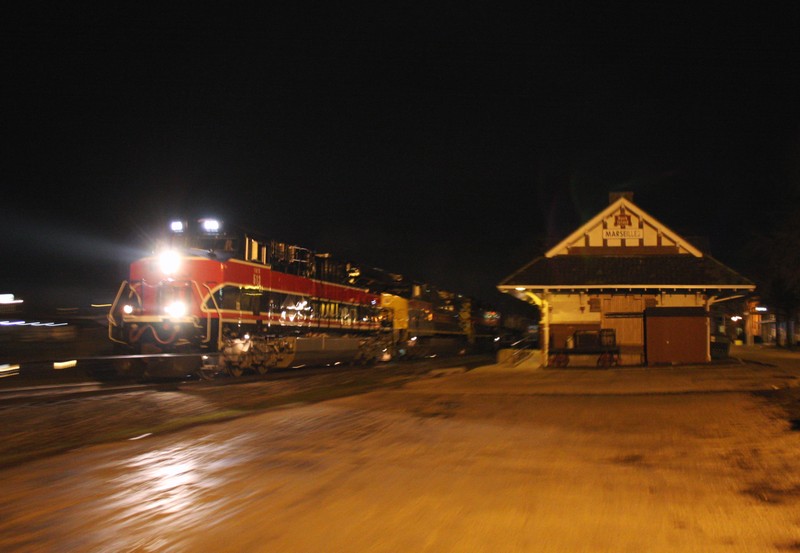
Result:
x=450 y=144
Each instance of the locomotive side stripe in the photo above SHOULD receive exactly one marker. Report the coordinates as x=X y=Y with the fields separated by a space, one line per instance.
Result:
x=222 y=285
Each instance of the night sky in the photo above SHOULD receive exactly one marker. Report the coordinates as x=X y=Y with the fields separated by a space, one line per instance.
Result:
x=450 y=144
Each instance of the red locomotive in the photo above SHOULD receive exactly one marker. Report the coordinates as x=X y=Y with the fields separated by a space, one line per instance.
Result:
x=214 y=299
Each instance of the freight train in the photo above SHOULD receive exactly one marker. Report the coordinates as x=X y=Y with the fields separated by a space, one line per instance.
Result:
x=216 y=299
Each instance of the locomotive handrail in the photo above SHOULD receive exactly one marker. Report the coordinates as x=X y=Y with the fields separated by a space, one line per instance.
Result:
x=112 y=321
x=208 y=319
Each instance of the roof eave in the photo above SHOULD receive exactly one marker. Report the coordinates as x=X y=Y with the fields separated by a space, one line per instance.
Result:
x=554 y=287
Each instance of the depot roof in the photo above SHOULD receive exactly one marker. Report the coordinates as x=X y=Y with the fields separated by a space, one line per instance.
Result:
x=609 y=272
x=623 y=247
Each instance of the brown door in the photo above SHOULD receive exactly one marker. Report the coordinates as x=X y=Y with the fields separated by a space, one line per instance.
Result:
x=624 y=315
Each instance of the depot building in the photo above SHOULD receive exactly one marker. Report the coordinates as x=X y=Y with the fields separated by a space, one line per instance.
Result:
x=626 y=283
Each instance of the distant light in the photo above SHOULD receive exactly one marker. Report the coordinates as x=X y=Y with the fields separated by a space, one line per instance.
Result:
x=761 y=308
x=520 y=288
x=58 y=365
x=176 y=226
x=210 y=225
x=8 y=370
x=31 y=323
x=6 y=299
x=127 y=309
x=736 y=318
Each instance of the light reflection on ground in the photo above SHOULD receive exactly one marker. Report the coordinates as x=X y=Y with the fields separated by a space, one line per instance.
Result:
x=125 y=504
x=180 y=487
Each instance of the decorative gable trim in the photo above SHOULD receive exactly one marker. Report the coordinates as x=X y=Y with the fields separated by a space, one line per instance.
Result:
x=623 y=228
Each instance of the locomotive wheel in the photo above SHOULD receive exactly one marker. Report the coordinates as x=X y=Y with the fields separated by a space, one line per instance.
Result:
x=129 y=368
x=234 y=370
x=264 y=360
x=207 y=372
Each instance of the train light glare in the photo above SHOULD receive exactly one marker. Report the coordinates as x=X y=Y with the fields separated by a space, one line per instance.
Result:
x=127 y=309
x=176 y=226
x=176 y=309
x=169 y=261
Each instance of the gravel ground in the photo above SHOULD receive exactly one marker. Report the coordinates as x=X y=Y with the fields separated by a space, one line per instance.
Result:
x=488 y=459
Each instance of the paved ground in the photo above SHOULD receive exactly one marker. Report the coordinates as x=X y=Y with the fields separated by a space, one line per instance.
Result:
x=492 y=459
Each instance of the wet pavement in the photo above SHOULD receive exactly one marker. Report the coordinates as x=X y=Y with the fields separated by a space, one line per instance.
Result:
x=497 y=458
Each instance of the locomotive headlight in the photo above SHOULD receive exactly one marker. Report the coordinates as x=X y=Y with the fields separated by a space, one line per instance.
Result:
x=176 y=309
x=169 y=261
x=210 y=225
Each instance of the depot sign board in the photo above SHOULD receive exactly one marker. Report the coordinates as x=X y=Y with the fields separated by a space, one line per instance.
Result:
x=609 y=234
x=623 y=227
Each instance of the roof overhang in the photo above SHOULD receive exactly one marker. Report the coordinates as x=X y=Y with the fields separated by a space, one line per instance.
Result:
x=598 y=287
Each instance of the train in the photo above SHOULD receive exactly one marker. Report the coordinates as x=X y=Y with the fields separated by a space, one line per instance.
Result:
x=215 y=299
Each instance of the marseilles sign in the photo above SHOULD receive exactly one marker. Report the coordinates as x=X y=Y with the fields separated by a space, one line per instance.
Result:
x=634 y=233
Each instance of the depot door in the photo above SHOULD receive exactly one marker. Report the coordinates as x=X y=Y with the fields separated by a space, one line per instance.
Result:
x=624 y=315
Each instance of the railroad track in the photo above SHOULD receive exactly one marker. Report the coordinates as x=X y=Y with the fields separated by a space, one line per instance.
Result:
x=59 y=392
x=76 y=384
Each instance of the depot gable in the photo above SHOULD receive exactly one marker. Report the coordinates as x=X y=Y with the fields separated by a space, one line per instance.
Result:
x=623 y=229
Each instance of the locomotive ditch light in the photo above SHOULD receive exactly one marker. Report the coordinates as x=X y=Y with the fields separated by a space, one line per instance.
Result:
x=127 y=309
x=176 y=309
x=177 y=226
